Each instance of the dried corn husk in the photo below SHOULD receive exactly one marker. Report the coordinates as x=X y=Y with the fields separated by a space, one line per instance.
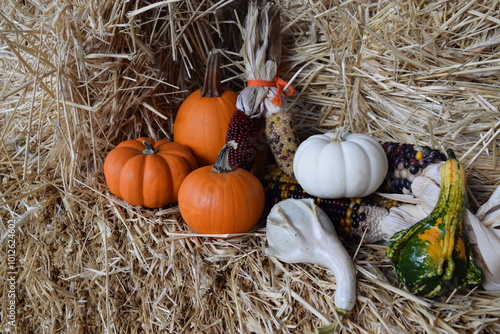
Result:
x=484 y=234
x=261 y=54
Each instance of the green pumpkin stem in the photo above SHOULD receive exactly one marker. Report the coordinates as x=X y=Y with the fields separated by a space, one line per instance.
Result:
x=212 y=83
x=149 y=148
x=451 y=154
x=222 y=163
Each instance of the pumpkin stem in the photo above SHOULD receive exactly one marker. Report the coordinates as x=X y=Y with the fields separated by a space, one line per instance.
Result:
x=451 y=154
x=222 y=164
x=337 y=135
x=149 y=148
x=211 y=84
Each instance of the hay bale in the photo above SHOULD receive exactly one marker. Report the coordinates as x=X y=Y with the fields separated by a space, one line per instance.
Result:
x=78 y=78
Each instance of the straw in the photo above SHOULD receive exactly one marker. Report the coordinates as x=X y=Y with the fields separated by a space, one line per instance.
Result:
x=78 y=78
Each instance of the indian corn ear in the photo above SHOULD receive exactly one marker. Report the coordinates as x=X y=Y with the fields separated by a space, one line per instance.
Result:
x=406 y=161
x=242 y=129
x=280 y=134
x=354 y=218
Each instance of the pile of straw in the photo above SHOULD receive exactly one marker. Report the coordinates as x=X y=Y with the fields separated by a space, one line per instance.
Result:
x=78 y=77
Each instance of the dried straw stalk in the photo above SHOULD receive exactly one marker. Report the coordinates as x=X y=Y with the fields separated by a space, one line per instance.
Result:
x=77 y=78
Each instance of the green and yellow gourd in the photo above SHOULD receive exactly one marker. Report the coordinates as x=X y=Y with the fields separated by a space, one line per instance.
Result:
x=434 y=257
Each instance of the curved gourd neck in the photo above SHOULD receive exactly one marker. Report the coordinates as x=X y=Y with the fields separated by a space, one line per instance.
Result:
x=452 y=190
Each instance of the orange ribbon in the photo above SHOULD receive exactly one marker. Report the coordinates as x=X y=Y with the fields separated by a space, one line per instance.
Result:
x=280 y=85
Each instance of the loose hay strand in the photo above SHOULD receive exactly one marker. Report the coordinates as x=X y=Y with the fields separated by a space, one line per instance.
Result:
x=76 y=79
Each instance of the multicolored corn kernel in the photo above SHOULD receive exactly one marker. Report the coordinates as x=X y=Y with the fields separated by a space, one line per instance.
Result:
x=406 y=161
x=280 y=134
x=355 y=218
x=244 y=131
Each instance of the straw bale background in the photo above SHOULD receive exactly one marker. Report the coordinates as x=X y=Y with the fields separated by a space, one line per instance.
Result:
x=77 y=77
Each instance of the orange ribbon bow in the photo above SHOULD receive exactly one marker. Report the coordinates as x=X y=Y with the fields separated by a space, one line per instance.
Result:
x=280 y=85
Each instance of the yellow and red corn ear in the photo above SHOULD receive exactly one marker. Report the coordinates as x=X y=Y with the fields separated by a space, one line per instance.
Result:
x=354 y=218
x=280 y=134
x=243 y=130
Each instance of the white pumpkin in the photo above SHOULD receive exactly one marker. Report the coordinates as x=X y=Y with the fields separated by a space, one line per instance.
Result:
x=337 y=165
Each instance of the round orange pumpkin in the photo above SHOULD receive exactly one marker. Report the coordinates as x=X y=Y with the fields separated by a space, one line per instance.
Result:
x=221 y=200
x=202 y=119
x=148 y=173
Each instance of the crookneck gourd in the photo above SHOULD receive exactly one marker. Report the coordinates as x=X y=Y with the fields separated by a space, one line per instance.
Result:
x=433 y=257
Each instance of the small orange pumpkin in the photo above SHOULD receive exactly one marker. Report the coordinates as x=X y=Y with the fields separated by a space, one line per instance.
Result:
x=221 y=200
x=203 y=117
x=146 y=173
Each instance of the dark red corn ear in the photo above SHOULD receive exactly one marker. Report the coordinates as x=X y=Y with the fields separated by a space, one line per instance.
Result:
x=243 y=130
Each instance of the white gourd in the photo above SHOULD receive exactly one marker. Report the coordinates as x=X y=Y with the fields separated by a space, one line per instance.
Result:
x=338 y=165
x=298 y=231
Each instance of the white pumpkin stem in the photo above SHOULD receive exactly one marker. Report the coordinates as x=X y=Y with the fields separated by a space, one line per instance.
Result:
x=222 y=163
x=337 y=135
x=149 y=148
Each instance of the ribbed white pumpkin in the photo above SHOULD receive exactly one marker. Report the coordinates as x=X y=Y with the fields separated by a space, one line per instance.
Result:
x=337 y=165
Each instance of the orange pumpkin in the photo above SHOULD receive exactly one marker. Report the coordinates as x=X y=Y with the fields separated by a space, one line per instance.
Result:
x=221 y=200
x=203 y=117
x=146 y=173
